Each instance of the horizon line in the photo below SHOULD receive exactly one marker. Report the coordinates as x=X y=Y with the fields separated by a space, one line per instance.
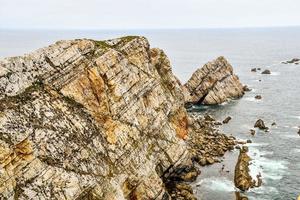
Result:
x=158 y=28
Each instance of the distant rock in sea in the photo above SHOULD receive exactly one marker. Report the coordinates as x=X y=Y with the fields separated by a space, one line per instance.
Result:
x=293 y=61
x=253 y=70
x=258 y=97
x=260 y=124
x=226 y=120
x=267 y=71
x=214 y=83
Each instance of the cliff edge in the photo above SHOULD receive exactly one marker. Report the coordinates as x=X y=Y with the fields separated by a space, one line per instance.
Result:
x=85 y=119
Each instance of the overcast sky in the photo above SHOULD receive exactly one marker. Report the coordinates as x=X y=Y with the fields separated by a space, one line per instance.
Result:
x=138 y=14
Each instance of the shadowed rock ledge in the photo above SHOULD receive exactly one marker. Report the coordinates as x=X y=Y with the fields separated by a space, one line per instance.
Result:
x=85 y=119
x=214 y=83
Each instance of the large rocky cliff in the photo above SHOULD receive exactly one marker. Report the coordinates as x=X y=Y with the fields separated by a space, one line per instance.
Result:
x=85 y=119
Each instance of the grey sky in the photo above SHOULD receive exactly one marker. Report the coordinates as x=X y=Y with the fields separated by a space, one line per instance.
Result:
x=135 y=14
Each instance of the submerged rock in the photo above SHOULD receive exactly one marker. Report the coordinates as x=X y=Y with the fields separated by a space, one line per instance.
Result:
x=226 y=120
x=294 y=60
x=258 y=97
x=266 y=72
x=214 y=83
x=252 y=132
x=260 y=124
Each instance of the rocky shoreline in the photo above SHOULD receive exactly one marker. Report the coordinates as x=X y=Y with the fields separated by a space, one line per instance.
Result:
x=86 y=119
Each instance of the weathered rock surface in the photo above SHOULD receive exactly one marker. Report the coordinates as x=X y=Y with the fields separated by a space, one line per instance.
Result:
x=260 y=124
x=226 y=120
x=86 y=119
x=205 y=142
x=242 y=178
x=214 y=83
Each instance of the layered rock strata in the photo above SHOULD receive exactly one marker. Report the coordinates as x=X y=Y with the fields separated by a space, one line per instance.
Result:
x=85 y=119
x=89 y=119
x=214 y=83
x=242 y=177
x=205 y=143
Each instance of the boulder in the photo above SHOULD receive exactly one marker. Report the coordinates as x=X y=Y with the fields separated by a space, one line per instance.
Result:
x=267 y=71
x=208 y=117
x=258 y=97
x=252 y=132
x=260 y=124
x=214 y=83
x=294 y=60
x=226 y=120
x=253 y=70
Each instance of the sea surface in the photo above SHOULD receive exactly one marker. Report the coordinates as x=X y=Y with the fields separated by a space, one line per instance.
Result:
x=276 y=155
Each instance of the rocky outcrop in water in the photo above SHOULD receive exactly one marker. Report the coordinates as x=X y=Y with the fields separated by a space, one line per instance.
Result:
x=226 y=120
x=260 y=124
x=242 y=178
x=267 y=71
x=293 y=61
x=214 y=83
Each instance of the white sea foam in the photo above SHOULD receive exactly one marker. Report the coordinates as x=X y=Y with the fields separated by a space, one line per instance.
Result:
x=224 y=103
x=269 y=169
x=249 y=99
x=220 y=184
x=297 y=117
x=256 y=144
x=295 y=150
x=262 y=190
x=292 y=136
x=275 y=73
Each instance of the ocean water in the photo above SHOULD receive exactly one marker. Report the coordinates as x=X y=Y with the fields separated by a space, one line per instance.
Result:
x=276 y=155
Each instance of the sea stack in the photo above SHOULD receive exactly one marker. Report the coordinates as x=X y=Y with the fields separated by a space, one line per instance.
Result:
x=214 y=83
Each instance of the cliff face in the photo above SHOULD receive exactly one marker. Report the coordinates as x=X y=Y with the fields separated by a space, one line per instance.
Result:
x=89 y=119
x=214 y=83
